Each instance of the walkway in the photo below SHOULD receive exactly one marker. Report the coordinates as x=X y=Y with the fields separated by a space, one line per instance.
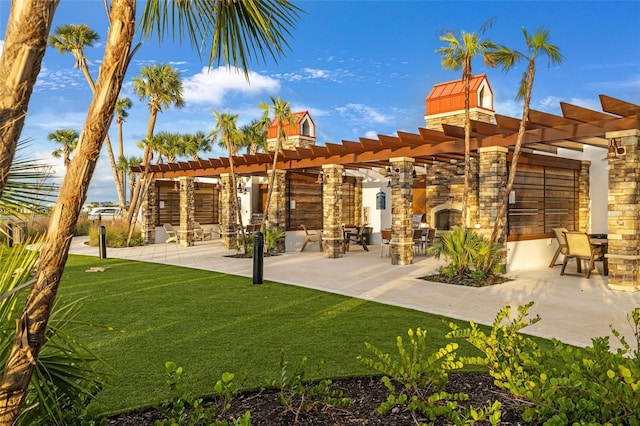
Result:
x=573 y=309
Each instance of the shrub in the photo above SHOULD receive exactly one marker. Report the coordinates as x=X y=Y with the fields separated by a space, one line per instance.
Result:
x=467 y=251
x=117 y=232
x=564 y=385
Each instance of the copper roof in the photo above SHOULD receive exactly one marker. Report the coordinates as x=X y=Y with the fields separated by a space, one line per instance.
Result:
x=576 y=127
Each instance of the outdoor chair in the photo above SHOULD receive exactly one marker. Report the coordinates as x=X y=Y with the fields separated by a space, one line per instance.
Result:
x=580 y=248
x=311 y=237
x=431 y=236
x=385 y=244
x=357 y=237
x=200 y=233
x=172 y=235
x=562 y=245
x=418 y=241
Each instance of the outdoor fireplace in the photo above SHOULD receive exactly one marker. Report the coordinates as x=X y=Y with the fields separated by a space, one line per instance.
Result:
x=446 y=218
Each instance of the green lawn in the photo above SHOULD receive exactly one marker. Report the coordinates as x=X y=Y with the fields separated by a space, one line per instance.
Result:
x=209 y=323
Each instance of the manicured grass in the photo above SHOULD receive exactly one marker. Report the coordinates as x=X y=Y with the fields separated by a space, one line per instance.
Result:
x=210 y=322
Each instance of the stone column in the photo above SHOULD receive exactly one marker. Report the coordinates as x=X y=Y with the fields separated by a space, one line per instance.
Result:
x=332 y=236
x=277 y=215
x=149 y=210
x=357 y=208
x=473 y=201
x=228 y=214
x=493 y=178
x=584 y=199
x=187 y=207
x=624 y=213
x=402 y=210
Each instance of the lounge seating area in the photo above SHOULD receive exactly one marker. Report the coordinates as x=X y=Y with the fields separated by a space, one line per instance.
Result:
x=583 y=248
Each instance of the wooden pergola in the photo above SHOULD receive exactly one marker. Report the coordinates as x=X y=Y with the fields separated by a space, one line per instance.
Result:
x=545 y=132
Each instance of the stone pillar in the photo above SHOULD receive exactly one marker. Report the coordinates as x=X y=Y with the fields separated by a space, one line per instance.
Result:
x=228 y=214
x=357 y=208
x=624 y=213
x=187 y=208
x=493 y=179
x=473 y=201
x=332 y=235
x=402 y=210
x=584 y=199
x=277 y=215
x=149 y=210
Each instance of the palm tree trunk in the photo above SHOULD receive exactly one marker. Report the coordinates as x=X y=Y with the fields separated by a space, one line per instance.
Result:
x=497 y=235
x=235 y=195
x=139 y=192
x=24 y=46
x=467 y=141
x=107 y=140
x=33 y=322
x=272 y=182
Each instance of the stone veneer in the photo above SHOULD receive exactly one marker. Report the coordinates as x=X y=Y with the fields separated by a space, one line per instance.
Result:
x=357 y=208
x=332 y=232
x=149 y=211
x=624 y=213
x=445 y=185
x=493 y=169
x=228 y=214
x=187 y=210
x=402 y=210
x=584 y=198
x=276 y=217
x=457 y=119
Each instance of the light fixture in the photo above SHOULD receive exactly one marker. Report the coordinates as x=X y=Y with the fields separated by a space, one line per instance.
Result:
x=196 y=185
x=389 y=183
x=344 y=176
x=176 y=186
x=614 y=150
x=320 y=178
x=414 y=174
x=241 y=189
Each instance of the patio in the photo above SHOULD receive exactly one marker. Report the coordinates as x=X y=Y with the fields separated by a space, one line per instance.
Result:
x=573 y=309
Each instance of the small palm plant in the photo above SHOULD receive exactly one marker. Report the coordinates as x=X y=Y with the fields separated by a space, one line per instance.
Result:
x=467 y=251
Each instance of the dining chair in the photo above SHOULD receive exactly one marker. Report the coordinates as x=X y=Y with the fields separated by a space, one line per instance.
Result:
x=385 y=243
x=580 y=248
x=311 y=237
x=562 y=245
x=431 y=236
x=418 y=242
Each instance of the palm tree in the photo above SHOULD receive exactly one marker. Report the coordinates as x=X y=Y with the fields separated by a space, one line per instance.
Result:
x=457 y=55
x=254 y=136
x=169 y=145
x=282 y=115
x=25 y=42
x=259 y=26
x=161 y=86
x=73 y=39
x=68 y=140
x=537 y=44
x=230 y=138
x=195 y=143
x=121 y=111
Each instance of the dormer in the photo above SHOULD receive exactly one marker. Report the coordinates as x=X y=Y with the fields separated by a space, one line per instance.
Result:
x=301 y=135
x=445 y=103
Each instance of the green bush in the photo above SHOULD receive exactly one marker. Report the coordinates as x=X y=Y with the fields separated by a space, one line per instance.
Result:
x=83 y=227
x=564 y=385
x=467 y=250
x=117 y=232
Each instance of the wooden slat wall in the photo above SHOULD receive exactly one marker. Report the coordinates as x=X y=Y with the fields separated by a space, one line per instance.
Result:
x=205 y=204
x=545 y=198
x=348 y=203
x=307 y=194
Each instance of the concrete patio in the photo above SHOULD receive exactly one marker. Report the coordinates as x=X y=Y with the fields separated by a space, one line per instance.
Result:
x=573 y=309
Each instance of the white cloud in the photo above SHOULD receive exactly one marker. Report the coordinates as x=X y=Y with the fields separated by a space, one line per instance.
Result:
x=371 y=134
x=361 y=112
x=335 y=76
x=211 y=86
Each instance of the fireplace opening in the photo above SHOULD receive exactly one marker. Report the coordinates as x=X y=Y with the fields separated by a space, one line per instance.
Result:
x=447 y=218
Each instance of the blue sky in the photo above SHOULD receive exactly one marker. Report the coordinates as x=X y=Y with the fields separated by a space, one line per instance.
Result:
x=361 y=68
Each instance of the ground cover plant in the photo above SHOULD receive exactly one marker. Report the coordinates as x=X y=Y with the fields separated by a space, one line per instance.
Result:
x=210 y=323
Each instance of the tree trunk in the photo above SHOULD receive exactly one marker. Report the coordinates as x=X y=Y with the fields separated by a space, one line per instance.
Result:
x=33 y=321
x=25 y=42
x=467 y=141
x=272 y=180
x=497 y=235
x=139 y=192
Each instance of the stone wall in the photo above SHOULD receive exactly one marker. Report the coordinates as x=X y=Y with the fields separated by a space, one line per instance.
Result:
x=228 y=214
x=187 y=208
x=402 y=211
x=624 y=213
x=276 y=217
x=149 y=213
x=584 y=199
x=333 y=236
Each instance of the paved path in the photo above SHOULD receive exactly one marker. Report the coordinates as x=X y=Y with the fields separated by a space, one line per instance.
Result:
x=573 y=309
